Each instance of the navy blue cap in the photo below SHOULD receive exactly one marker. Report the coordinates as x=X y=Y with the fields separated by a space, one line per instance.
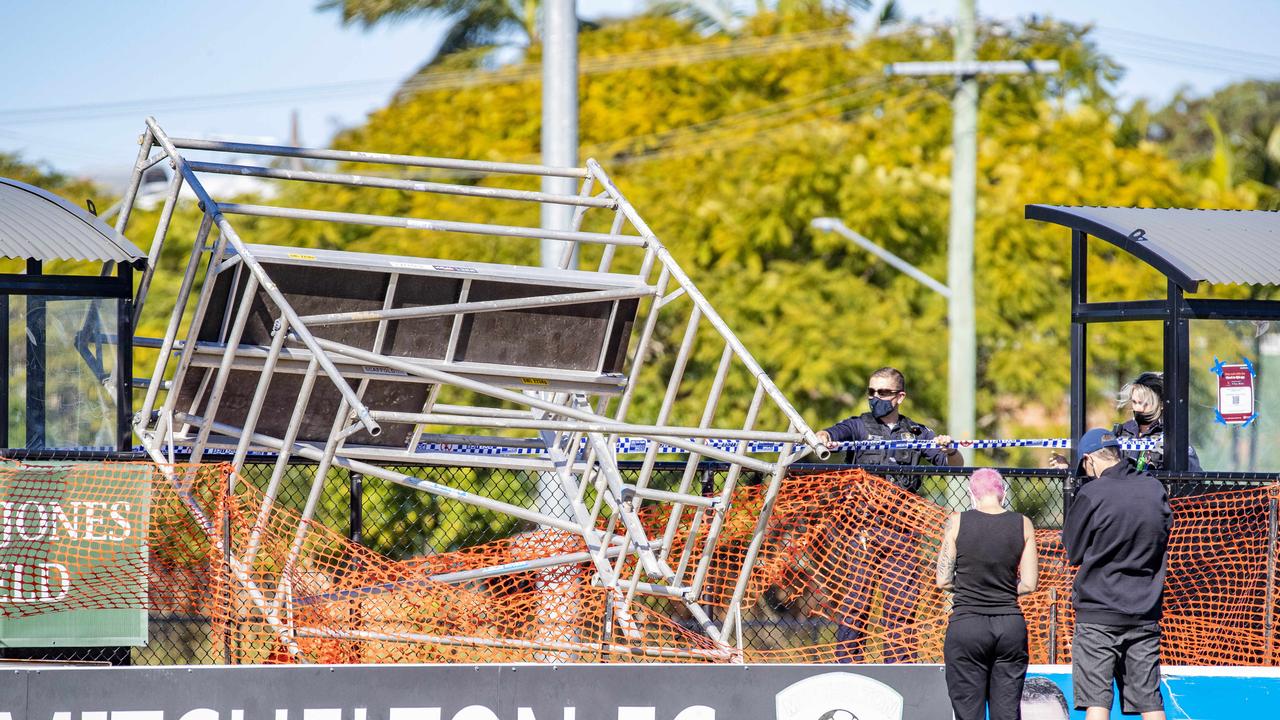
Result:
x=1093 y=441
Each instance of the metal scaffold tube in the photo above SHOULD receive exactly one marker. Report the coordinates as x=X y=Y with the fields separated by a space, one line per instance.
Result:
x=261 y=353
x=431 y=225
x=388 y=183
x=285 y=151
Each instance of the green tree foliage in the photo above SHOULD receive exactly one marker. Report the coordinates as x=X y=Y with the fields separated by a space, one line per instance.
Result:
x=12 y=166
x=476 y=28
x=1234 y=131
x=729 y=160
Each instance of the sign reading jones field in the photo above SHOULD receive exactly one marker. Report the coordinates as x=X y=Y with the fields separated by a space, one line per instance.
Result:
x=73 y=554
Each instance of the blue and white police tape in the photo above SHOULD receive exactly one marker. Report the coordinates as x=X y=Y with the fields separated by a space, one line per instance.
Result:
x=636 y=446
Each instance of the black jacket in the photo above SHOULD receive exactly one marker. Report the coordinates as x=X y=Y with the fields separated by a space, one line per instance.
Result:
x=1151 y=459
x=1117 y=532
x=867 y=427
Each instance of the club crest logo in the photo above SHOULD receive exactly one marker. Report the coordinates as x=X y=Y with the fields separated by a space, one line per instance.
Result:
x=839 y=696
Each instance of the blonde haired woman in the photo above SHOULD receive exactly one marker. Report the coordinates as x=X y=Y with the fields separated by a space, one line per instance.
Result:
x=1145 y=398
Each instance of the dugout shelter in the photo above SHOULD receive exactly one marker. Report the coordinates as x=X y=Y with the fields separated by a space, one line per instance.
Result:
x=66 y=295
x=69 y=319
x=1191 y=249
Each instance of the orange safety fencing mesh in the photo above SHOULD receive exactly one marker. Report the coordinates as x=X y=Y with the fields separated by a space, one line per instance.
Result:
x=846 y=547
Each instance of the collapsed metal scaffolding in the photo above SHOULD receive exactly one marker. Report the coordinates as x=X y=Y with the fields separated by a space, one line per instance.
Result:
x=347 y=360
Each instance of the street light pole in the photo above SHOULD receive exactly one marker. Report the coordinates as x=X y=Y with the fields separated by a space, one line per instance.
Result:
x=826 y=224
x=560 y=149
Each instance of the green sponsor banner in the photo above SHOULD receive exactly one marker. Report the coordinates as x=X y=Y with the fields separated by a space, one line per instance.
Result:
x=73 y=554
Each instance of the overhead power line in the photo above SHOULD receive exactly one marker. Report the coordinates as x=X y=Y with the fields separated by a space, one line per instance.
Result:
x=1183 y=53
x=1128 y=43
x=733 y=130
x=447 y=80
x=782 y=108
x=271 y=96
x=1178 y=60
x=636 y=60
x=729 y=130
x=915 y=101
x=1190 y=49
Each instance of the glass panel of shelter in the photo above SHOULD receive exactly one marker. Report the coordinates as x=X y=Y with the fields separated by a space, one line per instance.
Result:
x=1250 y=447
x=72 y=374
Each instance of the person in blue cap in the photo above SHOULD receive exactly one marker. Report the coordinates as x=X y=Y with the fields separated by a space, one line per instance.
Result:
x=1116 y=534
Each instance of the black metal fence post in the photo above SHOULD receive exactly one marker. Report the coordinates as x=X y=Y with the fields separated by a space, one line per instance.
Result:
x=9 y=371
x=1053 y=626
x=1068 y=493
x=356 y=508
x=1268 y=609
x=226 y=562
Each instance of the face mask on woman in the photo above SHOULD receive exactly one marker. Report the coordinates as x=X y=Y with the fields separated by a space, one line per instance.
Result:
x=1144 y=418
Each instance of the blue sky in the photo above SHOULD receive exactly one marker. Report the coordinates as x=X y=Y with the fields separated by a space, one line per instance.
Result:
x=172 y=58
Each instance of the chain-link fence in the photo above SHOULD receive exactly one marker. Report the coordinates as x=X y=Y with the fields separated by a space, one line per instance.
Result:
x=401 y=524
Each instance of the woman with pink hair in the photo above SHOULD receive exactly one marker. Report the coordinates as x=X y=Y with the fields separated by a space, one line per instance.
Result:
x=987 y=559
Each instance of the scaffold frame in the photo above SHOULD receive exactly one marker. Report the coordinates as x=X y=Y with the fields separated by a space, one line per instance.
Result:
x=574 y=414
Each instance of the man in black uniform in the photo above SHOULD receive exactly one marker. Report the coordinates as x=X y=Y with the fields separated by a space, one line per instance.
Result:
x=886 y=391
x=891 y=554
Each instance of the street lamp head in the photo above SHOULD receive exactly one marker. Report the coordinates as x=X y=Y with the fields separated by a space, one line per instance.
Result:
x=824 y=224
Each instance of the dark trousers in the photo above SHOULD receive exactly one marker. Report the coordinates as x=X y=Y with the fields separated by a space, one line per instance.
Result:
x=887 y=561
x=986 y=659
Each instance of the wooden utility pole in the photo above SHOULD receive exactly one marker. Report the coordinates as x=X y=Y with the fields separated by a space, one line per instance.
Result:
x=962 y=363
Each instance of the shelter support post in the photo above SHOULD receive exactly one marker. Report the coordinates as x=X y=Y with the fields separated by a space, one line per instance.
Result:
x=1079 y=345
x=124 y=360
x=35 y=364
x=1177 y=369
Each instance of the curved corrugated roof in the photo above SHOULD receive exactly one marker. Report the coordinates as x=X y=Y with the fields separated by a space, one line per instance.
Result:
x=1187 y=246
x=37 y=225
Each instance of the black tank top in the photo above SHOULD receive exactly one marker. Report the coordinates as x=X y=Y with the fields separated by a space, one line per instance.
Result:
x=988 y=549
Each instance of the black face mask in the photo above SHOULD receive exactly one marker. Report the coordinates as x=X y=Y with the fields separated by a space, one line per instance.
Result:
x=880 y=407
x=1144 y=418
x=1080 y=476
